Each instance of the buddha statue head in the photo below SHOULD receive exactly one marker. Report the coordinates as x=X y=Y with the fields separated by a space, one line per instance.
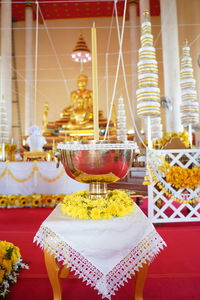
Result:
x=82 y=81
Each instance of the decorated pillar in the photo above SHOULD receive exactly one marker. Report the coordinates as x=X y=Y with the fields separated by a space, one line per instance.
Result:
x=6 y=60
x=29 y=99
x=171 y=69
x=189 y=105
x=144 y=5
x=148 y=92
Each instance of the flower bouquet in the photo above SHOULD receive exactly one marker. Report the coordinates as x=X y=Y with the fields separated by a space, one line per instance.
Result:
x=10 y=265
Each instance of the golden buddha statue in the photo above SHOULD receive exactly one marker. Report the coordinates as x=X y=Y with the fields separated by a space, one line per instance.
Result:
x=81 y=111
x=76 y=120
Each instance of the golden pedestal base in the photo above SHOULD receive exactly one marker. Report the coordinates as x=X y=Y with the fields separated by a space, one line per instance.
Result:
x=55 y=273
x=40 y=155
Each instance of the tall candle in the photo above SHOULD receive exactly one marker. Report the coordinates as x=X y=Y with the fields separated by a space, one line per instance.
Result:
x=95 y=84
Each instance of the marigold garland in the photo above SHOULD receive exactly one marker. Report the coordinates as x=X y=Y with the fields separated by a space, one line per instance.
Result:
x=117 y=203
x=181 y=177
x=10 y=265
x=154 y=178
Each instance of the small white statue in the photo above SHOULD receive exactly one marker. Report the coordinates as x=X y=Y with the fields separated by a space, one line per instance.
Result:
x=35 y=140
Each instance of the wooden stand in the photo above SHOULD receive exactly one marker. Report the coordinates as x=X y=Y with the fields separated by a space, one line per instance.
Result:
x=55 y=273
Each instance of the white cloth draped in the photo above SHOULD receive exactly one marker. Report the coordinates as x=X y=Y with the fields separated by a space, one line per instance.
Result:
x=103 y=252
x=21 y=170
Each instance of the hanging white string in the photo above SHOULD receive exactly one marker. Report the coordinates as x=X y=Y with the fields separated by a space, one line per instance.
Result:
x=78 y=27
x=117 y=70
x=36 y=64
x=107 y=87
x=54 y=50
x=69 y=55
x=194 y=40
x=125 y=82
x=23 y=79
x=59 y=1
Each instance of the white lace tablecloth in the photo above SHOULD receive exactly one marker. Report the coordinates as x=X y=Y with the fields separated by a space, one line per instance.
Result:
x=104 y=253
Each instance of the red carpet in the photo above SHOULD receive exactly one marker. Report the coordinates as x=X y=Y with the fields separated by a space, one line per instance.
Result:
x=174 y=274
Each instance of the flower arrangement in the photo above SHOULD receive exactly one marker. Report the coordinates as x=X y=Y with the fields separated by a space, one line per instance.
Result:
x=181 y=177
x=34 y=200
x=10 y=265
x=117 y=203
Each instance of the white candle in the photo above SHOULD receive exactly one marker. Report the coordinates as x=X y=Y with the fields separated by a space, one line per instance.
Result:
x=95 y=84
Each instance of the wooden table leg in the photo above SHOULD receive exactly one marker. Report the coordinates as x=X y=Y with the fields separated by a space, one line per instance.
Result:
x=140 y=280
x=53 y=274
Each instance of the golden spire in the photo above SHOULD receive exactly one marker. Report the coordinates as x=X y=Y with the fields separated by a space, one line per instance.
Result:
x=186 y=48
x=146 y=14
x=186 y=43
x=81 y=52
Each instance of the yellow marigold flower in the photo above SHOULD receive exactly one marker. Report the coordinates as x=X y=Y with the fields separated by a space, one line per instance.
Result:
x=121 y=211
x=112 y=209
x=11 y=200
x=2 y=252
x=36 y=200
x=106 y=216
x=95 y=214
x=7 y=265
x=2 y=272
x=48 y=200
x=58 y=198
x=3 y=201
x=83 y=214
x=23 y=201
x=14 y=258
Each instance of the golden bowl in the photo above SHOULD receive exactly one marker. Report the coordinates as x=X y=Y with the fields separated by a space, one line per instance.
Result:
x=96 y=162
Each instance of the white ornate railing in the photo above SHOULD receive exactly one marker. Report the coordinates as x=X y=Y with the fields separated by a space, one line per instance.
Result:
x=167 y=204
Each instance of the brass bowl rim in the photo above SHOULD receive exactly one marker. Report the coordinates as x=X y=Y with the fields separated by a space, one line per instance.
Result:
x=97 y=145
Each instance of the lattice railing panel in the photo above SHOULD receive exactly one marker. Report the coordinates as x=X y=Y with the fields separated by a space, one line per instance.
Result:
x=161 y=207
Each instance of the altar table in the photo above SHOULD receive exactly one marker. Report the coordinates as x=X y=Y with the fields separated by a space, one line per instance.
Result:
x=104 y=253
x=26 y=178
